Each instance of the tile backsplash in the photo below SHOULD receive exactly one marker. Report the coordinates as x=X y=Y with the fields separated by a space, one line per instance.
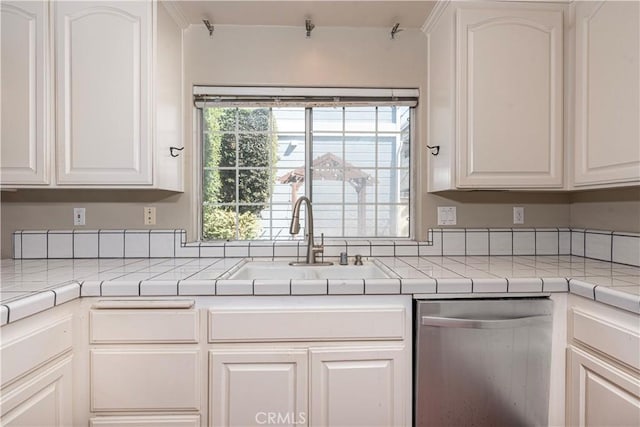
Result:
x=618 y=247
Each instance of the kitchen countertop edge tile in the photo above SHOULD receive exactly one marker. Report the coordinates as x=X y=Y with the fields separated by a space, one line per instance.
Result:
x=51 y=296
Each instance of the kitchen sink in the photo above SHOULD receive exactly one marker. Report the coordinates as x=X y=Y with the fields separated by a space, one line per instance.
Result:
x=282 y=270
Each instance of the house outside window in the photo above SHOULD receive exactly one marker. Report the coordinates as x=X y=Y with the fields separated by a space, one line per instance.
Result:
x=259 y=156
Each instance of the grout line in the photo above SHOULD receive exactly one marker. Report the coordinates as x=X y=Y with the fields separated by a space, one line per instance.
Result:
x=611 y=254
x=55 y=297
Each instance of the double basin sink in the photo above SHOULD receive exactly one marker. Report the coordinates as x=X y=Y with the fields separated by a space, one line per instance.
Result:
x=282 y=270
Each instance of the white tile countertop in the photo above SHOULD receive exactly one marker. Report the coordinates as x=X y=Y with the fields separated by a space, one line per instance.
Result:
x=31 y=286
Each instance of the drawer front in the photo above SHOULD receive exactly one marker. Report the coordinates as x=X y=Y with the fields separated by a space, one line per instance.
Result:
x=147 y=421
x=142 y=380
x=617 y=342
x=143 y=326
x=35 y=348
x=307 y=325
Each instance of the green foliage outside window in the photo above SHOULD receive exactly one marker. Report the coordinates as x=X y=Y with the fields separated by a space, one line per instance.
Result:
x=243 y=138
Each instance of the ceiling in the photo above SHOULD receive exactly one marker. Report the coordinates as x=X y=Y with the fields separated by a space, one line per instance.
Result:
x=410 y=14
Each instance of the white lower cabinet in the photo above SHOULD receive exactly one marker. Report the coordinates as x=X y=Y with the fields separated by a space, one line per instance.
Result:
x=601 y=394
x=44 y=399
x=603 y=366
x=252 y=386
x=36 y=370
x=346 y=384
x=135 y=362
x=358 y=386
x=145 y=365
x=312 y=362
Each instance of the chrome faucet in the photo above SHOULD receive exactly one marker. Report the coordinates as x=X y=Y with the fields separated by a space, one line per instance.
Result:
x=312 y=248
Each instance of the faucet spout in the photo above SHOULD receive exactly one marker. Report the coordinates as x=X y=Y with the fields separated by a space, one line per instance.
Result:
x=294 y=228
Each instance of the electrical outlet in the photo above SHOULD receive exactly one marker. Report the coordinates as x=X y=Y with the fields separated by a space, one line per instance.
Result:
x=518 y=215
x=447 y=215
x=149 y=216
x=79 y=216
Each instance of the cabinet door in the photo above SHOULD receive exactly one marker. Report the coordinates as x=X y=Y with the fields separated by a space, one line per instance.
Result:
x=256 y=387
x=368 y=386
x=25 y=100
x=145 y=379
x=607 y=133
x=510 y=116
x=599 y=394
x=42 y=400
x=103 y=74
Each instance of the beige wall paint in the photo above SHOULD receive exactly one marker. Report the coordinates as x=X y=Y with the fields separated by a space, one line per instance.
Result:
x=611 y=209
x=282 y=56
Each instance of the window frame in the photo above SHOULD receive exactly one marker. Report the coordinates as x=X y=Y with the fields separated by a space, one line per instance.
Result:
x=240 y=94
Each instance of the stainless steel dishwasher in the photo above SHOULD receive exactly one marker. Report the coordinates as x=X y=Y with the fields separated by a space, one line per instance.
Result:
x=482 y=362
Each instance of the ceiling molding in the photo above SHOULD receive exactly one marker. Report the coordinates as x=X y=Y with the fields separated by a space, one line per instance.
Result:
x=433 y=17
x=176 y=13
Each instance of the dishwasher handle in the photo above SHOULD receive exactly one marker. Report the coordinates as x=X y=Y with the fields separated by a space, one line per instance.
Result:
x=514 y=322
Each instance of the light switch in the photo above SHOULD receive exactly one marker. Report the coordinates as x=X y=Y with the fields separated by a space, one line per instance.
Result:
x=447 y=215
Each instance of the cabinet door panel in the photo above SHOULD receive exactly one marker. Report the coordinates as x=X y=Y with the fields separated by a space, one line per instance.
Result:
x=601 y=394
x=138 y=380
x=249 y=388
x=103 y=80
x=359 y=386
x=510 y=98
x=25 y=98
x=44 y=400
x=607 y=135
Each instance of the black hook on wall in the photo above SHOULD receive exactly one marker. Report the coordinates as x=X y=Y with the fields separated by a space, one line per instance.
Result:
x=172 y=149
x=435 y=150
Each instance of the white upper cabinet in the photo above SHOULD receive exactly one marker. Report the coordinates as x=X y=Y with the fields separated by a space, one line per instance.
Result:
x=103 y=75
x=510 y=97
x=117 y=81
x=24 y=157
x=607 y=94
x=495 y=96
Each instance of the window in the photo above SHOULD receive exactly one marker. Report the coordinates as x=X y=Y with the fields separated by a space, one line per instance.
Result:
x=352 y=161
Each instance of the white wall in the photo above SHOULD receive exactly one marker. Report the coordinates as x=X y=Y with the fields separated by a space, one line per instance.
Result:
x=283 y=56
